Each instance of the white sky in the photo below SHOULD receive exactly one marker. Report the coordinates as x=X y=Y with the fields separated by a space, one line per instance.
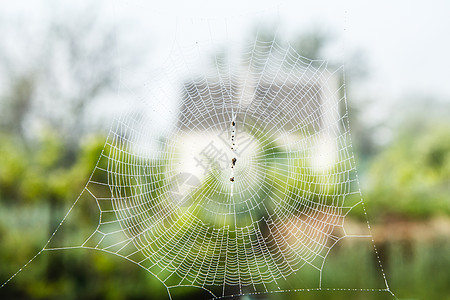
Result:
x=407 y=43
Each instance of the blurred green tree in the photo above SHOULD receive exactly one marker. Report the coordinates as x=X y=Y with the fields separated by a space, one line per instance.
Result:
x=410 y=177
x=53 y=73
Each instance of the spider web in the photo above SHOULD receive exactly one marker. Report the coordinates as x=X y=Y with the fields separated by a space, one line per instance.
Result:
x=243 y=186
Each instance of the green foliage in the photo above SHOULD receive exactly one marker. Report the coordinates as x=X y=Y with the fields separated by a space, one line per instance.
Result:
x=33 y=172
x=418 y=168
x=411 y=177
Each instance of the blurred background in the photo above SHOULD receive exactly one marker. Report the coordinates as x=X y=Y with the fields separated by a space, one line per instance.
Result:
x=68 y=68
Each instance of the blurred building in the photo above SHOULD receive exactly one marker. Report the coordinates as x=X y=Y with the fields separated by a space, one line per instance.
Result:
x=299 y=111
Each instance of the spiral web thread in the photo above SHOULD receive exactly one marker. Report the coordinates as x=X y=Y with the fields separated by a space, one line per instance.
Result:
x=248 y=188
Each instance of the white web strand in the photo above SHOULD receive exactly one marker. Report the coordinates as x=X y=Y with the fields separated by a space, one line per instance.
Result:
x=249 y=186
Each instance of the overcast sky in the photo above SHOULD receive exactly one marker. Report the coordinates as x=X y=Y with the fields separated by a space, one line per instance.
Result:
x=406 y=43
